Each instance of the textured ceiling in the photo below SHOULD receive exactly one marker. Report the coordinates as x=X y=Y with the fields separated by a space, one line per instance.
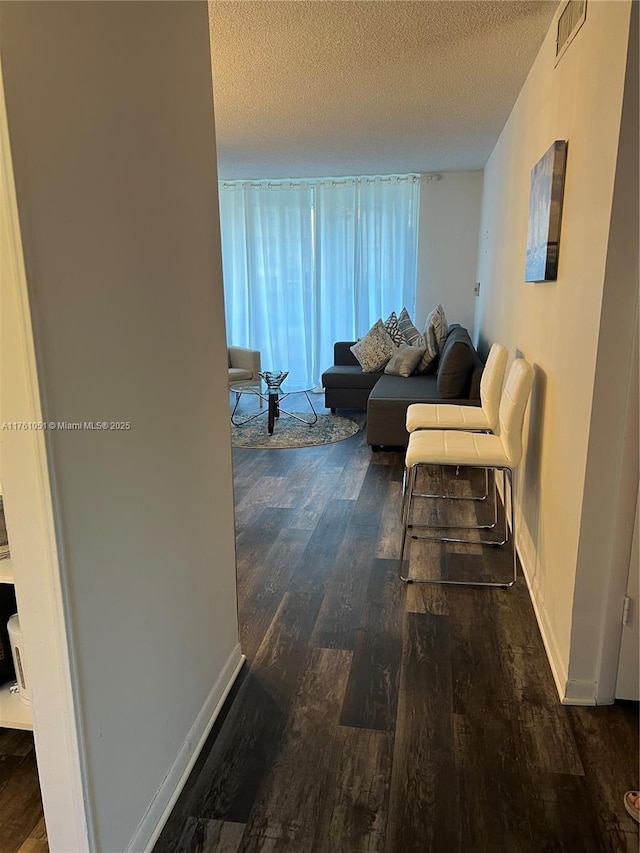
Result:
x=314 y=88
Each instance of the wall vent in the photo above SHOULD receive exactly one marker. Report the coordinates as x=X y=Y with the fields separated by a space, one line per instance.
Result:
x=571 y=19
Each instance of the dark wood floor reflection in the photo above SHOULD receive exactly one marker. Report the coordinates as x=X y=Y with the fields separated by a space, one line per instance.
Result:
x=371 y=716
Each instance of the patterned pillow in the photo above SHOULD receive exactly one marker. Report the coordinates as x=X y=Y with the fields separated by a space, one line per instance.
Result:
x=427 y=361
x=431 y=341
x=375 y=349
x=411 y=335
x=404 y=361
x=436 y=327
x=393 y=329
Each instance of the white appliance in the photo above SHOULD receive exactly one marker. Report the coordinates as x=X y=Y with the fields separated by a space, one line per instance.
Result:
x=17 y=650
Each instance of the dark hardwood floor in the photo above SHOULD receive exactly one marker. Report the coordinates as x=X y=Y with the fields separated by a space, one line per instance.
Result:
x=371 y=716
x=22 y=828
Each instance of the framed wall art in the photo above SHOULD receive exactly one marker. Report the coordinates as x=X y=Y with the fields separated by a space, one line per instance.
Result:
x=545 y=214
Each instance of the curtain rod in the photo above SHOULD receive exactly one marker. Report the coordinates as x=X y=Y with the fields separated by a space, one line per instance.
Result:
x=335 y=182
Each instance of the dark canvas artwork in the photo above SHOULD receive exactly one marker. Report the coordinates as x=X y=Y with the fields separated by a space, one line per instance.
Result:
x=545 y=214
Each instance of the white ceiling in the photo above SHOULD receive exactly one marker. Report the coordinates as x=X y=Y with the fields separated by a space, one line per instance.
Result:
x=314 y=88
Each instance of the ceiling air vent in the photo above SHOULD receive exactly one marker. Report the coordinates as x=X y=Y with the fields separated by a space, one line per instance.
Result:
x=571 y=19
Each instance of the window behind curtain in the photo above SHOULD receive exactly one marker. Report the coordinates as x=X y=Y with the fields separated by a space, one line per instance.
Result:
x=307 y=263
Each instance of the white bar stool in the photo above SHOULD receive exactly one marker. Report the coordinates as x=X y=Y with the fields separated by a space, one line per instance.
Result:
x=483 y=418
x=501 y=452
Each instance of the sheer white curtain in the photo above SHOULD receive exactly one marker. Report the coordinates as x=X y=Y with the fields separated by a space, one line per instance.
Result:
x=310 y=263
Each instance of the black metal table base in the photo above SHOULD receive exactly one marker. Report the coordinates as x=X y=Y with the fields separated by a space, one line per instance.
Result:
x=273 y=409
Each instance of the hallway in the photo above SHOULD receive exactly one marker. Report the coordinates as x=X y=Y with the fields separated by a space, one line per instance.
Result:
x=374 y=716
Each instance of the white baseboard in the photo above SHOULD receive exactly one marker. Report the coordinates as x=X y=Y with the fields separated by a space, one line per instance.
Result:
x=570 y=692
x=558 y=669
x=166 y=796
x=580 y=692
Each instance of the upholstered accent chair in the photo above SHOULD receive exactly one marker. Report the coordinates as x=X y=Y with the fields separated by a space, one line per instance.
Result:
x=244 y=365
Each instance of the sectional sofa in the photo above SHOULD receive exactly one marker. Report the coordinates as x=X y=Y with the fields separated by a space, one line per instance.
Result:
x=386 y=398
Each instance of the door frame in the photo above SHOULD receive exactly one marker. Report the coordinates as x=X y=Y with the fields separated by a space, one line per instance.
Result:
x=626 y=684
x=36 y=551
x=626 y=497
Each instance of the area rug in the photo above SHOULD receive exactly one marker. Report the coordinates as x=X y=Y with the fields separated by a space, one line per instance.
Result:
x=289 y=432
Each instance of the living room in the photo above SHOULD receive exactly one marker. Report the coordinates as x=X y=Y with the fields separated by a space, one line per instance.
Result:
x=472 y=227
x=120 y=765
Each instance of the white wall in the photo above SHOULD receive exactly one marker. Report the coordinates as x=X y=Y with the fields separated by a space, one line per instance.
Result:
x=110 y=118
x=448 y=246
x=29 y=513
x=611 y=481
x=556 y=325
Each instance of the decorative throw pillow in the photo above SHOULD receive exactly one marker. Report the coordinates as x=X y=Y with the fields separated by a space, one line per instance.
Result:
x=409 y=332
x=404 y=360
x=436 y=328
x=393 y=329
x=375 y=349
x=431 y=341
x=428 y=361
x=415 y=339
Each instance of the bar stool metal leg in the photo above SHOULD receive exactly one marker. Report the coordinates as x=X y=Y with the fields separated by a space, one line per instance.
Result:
x=490 y=526
x=408 y=528
x=482 y=497
x=410 y=478
x=511 y=476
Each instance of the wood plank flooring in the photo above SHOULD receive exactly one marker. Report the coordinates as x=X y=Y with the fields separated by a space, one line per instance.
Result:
x=372 y=716
x=22 y=827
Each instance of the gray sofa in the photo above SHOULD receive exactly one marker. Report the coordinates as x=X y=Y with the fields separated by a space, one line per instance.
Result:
x=386 y=397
